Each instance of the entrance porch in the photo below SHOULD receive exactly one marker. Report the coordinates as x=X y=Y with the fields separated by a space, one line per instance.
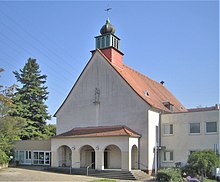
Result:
x=106 y=148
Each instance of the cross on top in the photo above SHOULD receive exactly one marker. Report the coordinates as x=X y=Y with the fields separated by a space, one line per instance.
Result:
x=108 y=9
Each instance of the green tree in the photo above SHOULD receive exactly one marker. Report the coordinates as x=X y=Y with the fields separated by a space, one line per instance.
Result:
x=10 y=131
x=49 y=130
x=203 y=161
x=10 y=127
x=29 y=100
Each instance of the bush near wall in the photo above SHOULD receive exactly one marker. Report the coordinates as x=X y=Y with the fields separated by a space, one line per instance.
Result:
x=169 y=175
x=3 y=159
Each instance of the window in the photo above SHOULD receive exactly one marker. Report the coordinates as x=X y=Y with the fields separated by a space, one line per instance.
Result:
x=211 y=127
x=168 y=156
x=114 y=42
x=168 y=105
x=98 y=43
x=194 y=128
x=168 y=129
x=42 y=158
x=27 y=154
x=103 y=42
x=107 y=41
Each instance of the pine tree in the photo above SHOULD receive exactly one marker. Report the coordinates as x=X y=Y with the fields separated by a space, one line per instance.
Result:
x=29 y=100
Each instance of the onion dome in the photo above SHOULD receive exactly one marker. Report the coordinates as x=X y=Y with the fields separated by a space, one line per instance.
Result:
x=107 y=28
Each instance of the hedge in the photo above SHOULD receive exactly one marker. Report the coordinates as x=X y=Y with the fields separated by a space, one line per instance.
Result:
x=169 y=175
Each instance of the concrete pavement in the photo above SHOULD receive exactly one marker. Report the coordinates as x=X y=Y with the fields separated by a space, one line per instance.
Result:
x=34 y=174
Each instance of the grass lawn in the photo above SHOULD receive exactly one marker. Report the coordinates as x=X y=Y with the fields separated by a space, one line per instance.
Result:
x=209 y=180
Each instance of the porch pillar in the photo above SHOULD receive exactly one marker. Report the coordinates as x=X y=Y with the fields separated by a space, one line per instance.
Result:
x=75 y=158
x=99 y=160
x=126 y=160
x=54 y=159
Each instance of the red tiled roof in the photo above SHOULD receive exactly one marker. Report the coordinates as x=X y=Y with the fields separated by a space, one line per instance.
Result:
x=157 y=93
x=216 y=107
x=100 y=131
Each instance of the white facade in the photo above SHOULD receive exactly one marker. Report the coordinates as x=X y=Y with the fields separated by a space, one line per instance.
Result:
x=118 y=105
x=81 y=150
x=183 y=133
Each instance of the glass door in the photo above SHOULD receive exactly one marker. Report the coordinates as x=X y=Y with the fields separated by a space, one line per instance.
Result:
x=36 y=157
x=41 y=157
x=47 y=158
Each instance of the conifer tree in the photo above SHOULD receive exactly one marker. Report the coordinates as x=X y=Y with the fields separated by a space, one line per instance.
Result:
x=29 y=100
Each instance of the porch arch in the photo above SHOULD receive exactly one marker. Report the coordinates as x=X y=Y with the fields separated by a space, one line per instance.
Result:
x=134 y=157
x=64 y=156
x=112 y=157
x=87 y=156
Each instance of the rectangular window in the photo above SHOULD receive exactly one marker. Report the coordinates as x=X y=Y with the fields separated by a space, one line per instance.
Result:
x=194 y=128
x=103 y=42
x=27 y=154
x=168 y=156
x=211 y=127
x=16 y=155
x=107 y=41
x=21 y=157
x=98 y=43
x=168 y=129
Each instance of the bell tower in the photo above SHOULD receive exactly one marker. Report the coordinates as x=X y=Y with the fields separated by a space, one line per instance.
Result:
x=107 y=37
x=109 y=44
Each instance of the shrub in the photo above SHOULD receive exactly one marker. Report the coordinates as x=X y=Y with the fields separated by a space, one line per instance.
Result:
x=169 y=174
x=3 y=157
x=203 y=162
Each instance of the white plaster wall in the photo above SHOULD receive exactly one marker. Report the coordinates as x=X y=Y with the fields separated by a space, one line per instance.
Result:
x=114 y=157
x=181 y=142
x=119 y=104
x=76 y=144
x=134 y=162
x=153 y=121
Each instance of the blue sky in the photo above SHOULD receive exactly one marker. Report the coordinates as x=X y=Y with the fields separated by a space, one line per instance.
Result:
x=174 y=41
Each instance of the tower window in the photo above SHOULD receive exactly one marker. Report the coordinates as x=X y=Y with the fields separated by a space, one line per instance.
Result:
x=114 y=42
x=107 y=40
x=98 y=43
x=103 y=42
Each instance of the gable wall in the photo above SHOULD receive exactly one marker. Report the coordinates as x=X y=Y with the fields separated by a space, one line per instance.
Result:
x=119 y=104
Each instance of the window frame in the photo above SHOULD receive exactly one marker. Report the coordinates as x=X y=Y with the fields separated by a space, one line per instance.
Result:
x=169 y=125
x=212 y=132
x=28 y=155
x=190 y=133
x=168 y=159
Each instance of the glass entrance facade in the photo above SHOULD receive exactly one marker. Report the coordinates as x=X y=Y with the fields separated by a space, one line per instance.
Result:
x=33 y=157
x=41 y=158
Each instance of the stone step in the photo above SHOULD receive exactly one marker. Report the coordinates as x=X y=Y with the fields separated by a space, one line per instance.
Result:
x=141 y=175
x=112 y=174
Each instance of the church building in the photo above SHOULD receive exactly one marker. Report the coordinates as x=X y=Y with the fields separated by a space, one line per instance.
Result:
x=111 y=116
x=117 y=118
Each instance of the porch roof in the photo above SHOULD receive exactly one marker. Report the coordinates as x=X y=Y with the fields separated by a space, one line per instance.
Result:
x=100 y=131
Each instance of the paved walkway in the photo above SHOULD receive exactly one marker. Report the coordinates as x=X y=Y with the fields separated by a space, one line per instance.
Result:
x=36 y=174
